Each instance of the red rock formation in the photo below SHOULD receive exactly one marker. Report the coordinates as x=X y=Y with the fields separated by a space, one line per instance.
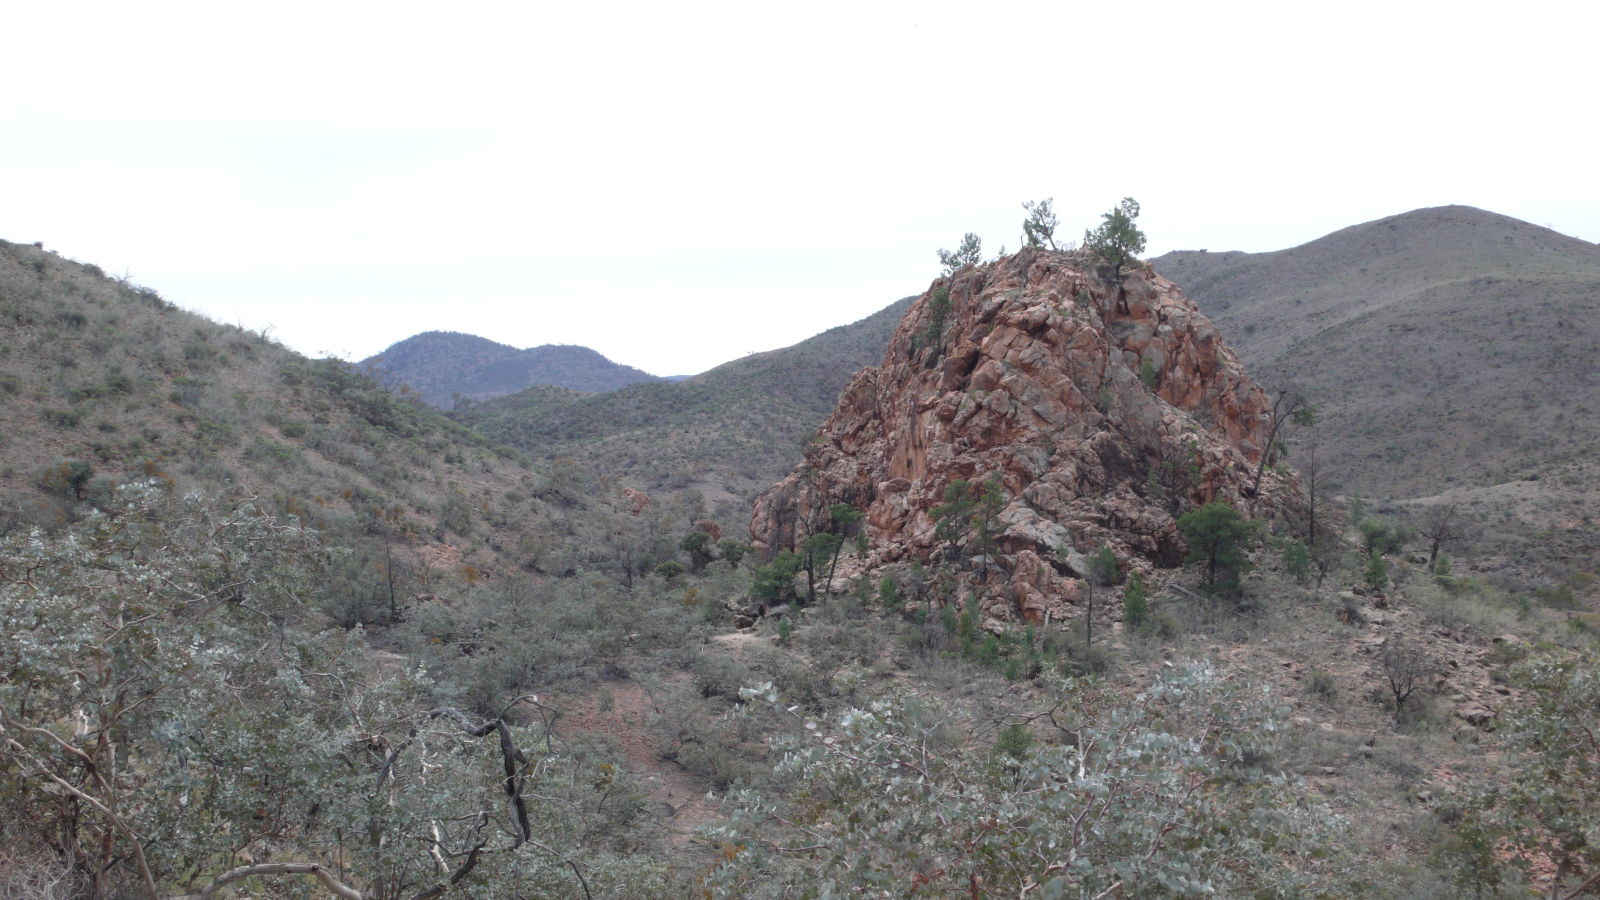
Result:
x=637 y=500
x=1042 y=375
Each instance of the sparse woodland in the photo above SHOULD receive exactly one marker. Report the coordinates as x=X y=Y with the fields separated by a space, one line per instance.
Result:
x=268 y=629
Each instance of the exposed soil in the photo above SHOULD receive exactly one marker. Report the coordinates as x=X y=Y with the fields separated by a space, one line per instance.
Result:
x=620 y=712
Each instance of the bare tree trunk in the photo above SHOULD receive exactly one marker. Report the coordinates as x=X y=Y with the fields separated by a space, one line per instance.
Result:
x=1285 y=405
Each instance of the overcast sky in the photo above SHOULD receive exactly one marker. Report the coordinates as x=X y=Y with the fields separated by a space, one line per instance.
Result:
x=678 y=184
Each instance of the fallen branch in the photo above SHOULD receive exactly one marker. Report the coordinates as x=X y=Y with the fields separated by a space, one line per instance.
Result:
x=339 y=888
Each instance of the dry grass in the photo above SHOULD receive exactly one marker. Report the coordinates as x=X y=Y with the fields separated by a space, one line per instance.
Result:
x=1446 y=347
x=34 y=875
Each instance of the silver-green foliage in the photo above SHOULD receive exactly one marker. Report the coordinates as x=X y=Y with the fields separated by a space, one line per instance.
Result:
x=171 y=707
x=1545 y=819
x=1164 y=794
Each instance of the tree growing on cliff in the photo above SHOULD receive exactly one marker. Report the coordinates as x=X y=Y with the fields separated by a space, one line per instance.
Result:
x=1117 y=241
x=970 y=253
x=971 y=511
x=1039 y=228
x=1288 y=405
x=1174 y=475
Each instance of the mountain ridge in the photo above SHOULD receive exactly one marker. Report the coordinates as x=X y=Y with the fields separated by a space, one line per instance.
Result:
x=1425 y=337
x=727 y=432
x=442 y=366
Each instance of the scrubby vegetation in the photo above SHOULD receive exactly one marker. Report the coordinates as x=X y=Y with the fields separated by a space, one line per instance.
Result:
x=727 y=433
x=267 y=629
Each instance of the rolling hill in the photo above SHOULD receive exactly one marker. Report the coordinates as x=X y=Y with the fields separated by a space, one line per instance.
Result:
x=727 y=433
x=103 y=382
x=1447 y=347
x=440 y=365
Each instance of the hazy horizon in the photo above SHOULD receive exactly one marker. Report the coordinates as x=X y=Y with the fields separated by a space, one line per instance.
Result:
x=678 y=187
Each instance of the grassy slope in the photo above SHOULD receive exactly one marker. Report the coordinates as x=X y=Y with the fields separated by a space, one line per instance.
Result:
x=1445 y=346
x=100 y=371
x=728 y=432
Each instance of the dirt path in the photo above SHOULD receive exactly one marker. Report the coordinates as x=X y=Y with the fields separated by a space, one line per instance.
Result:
x=624 y=719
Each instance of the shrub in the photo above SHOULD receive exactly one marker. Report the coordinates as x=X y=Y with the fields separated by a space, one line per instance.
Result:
x=1220 y=539
x=1322 y=685
x=70 y=477
x=932 y=335
x=732 y=550
x=1297 y=561
x=1014 y=741
x=1135 y=603
x=1148 y=373
x=774 y=582
x=1537 y=820
x=1376 y=574
x=889 y=592
x=1117 y=241
x=860 y=785
x=60 y=418
x=1103 y=566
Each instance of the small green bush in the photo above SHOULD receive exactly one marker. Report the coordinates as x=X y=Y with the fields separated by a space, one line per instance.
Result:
x=1135 y=602
x=69 y=477
x=1376 y=574
x=1322 y=685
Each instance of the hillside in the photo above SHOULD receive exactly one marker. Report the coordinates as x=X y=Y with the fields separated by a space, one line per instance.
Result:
x=473 y=676
x=442 y=365
x=1038 y=436
x=1446 y=347
x=727 y=433
x=103 y=382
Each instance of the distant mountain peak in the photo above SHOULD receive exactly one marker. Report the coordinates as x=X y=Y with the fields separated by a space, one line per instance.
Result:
x=444 y=365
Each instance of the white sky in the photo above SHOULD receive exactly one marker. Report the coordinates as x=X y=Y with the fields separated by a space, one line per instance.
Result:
x=677 y=184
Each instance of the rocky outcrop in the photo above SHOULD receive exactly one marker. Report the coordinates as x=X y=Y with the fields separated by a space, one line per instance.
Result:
x=1101 y=404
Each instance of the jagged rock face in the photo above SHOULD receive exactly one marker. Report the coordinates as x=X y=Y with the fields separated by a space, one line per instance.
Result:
x=1041 y=376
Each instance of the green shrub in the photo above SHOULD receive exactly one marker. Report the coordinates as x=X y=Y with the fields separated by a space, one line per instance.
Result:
x=60 y=418
x=1322 y=685
x=1014 y=741
x=932 y=336
x=1297 y=561
x=1219 y=539
x=69 y=477
x=1148 y=373
x=1376 y=574
x=889 y=592
x=1135 y=602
